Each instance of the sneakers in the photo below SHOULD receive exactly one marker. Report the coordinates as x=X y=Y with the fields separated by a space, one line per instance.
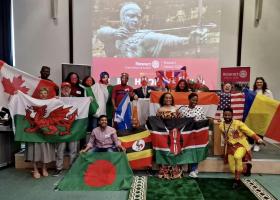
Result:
x=57 y=173
x=256 y=148
x=193 y=174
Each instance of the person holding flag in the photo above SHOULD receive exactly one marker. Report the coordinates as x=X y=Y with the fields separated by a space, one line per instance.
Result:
x=168 y=111
x=119 y=91
x=73 y=145
x=103 y=138
x=45 y=72
x=196 y=112
x=40 y=152
x=237 y=148
x=104 y=79
x=260 y=87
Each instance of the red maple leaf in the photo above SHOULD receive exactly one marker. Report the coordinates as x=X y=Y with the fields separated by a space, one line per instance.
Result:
x=15 y=85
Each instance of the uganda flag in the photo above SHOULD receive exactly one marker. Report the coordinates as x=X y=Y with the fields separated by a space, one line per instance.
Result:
x=138 y=144
x=179 y=141
x=98 y=171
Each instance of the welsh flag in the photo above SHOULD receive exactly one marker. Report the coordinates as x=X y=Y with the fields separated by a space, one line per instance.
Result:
x=13 y=79
x=179 y=141
x=53 y=120
x=207 y=100
x=98 y=171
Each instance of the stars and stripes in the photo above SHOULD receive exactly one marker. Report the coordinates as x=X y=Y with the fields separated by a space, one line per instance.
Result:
x=235 y=101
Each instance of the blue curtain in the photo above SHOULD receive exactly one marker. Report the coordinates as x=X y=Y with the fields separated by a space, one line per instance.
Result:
x=5 y=32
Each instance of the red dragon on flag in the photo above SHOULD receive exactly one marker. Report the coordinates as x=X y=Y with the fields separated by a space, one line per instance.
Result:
x=57 y=117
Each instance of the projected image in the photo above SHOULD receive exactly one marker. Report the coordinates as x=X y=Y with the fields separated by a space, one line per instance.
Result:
x=174 y=32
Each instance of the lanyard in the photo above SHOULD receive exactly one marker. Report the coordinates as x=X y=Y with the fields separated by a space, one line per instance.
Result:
x=226 y=131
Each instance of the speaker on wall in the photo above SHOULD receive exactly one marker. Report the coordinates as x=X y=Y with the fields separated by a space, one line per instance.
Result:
x=81 y=70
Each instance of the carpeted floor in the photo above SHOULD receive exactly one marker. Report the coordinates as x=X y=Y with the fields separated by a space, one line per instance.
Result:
x=18 y=184
x=202 y=188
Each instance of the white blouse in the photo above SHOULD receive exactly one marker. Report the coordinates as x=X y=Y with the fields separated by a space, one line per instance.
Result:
x=267 y=93
x=196 y=112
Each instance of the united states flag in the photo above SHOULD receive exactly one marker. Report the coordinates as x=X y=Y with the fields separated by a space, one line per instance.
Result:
x=235 y=101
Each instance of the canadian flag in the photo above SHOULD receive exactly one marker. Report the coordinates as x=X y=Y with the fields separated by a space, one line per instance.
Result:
x=13 y=79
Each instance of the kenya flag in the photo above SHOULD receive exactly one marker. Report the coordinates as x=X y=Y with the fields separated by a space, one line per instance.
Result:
x=98 y=171
x=179 y=141
x=138 y=144
x=53 y=120
x=207 y=100
x=13 y=80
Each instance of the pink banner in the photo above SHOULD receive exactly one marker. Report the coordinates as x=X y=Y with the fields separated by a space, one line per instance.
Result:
x=235 y=74
x=203 y=68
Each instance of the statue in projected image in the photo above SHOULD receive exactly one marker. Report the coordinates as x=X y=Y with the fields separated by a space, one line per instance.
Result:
x=131 y=41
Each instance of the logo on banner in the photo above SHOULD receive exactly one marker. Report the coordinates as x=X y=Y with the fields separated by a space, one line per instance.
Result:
x=155 y=64
x=243 y=74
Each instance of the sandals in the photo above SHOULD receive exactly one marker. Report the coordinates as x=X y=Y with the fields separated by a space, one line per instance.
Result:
x=164 y=172
x=176 y=172
x=36 y=175
x=45 y=173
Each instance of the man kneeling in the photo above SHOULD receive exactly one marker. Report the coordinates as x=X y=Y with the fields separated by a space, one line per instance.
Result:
x=237 y=149
x=103 y=138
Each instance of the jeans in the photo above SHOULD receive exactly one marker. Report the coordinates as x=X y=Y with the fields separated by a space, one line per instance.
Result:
x=193 y=167
x=110 y=149
x=60 y=153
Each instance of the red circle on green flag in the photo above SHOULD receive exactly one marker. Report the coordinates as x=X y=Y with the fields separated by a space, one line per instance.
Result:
x=100 y=173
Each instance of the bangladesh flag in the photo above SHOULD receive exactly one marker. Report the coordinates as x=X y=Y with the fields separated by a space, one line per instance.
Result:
x=53 y=120
x=179 y=141
x=98 y=171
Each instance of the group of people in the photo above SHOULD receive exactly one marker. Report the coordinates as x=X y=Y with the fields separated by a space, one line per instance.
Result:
x=104 y=136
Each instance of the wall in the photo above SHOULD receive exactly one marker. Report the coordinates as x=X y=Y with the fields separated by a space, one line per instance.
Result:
x=261 y=44
x=82 y=32
x=38 y=39
x=229 y=35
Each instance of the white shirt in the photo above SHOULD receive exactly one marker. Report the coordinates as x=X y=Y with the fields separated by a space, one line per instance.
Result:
x=196 y=112
x=267 y=93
